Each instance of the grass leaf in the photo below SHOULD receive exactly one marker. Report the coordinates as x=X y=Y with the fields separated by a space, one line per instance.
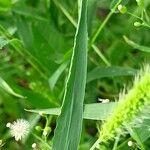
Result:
x=136 y=46
x=69 y=124
x=101 y=72
x=95 y=111
x=8 y=89
x=55 y=76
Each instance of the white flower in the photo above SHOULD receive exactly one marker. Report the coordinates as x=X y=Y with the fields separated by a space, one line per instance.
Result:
x=120 y=7
x=1 y=142
x=34 y=145
x=130 y=143
x=8 y=125
x=45 y=133
x=103 y=100
x=41 y=113
x=19 y=128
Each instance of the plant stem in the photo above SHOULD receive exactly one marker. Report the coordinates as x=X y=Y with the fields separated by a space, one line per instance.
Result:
x=37 y=137
x=135 y=16
x=100 y=28
x=69 y=17
x=145 y=24
x=116 y=142
x=95 y=36
x=65 y=12
x=95 y=144
x=100 y=55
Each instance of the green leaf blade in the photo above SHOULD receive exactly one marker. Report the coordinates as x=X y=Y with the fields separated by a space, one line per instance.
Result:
x=137 y=46
x=95 y=111
x=113 y=71
x=69 y=125
x=55 y=76
x=8 y=89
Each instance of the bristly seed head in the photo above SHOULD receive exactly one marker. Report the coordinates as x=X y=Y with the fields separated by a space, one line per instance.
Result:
x=129 y=107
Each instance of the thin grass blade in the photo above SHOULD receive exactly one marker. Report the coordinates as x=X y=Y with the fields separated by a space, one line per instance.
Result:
x=136 y=46
x=95 y=111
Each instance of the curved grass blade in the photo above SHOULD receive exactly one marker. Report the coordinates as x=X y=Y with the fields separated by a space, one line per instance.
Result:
x=8 y=89
x=69 y=124
x=95 y=111
x=136 y=46
x=55 y=76
x=17 y=45
x=101 y=72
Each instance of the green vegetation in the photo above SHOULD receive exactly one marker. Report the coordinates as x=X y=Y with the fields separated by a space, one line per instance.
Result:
x=63 y=70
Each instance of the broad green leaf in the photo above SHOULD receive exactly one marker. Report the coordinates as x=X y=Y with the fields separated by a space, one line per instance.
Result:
x=36 y=99
x=101 y=72
x=91 y=10
x=69 y=123
x=136 y=46
x=49 y=111
x=8 y=89
x=96 y=111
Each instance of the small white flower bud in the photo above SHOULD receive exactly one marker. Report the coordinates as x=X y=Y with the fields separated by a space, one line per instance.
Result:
x=8 y=125
x=47 y=130
x=130 y=143
x=41 y=113
x=122 y=9
x=137 y=24
x=34 y=145
x=1 y=142
x=105 y=101
x=45 y=133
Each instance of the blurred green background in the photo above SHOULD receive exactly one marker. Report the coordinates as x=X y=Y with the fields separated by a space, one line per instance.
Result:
x=36 y=41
